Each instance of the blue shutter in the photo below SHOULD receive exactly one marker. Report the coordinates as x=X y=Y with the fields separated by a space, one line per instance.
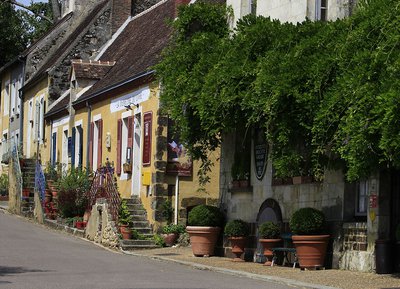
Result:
x=73 y=147
x=54 y=148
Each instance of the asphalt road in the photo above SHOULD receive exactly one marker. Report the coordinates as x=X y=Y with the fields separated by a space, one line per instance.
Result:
x=32 y=256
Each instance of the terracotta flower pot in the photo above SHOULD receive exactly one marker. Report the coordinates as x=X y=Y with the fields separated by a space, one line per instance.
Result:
x=170 y=239
x=125 y=232
x=238 y=244
x=267 y=245
x=203 y=239
x=311 y=250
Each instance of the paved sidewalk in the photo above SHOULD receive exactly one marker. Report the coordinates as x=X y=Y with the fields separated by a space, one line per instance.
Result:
x=321 y=279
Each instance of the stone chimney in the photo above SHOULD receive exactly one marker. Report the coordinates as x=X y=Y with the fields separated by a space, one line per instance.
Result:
x=121 y=10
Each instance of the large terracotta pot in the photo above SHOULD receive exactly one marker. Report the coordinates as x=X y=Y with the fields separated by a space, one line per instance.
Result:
x=203 y=239
x=170 y=239
x=125 y=232
x=267 y=245
x=238 y=244
x=311 y=250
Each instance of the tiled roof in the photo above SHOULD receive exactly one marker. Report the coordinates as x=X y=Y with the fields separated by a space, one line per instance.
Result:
x=60 y=106
x=91 y=69
x=137 y=48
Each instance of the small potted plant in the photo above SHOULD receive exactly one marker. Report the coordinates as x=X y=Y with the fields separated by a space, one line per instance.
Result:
x=205 y=223
x=307 y=225
x=269 y=234
x=171 y=232
x=124 y=221
x=237 y=232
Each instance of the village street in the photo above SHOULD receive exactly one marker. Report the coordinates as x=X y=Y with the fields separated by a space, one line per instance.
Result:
x=33 y=257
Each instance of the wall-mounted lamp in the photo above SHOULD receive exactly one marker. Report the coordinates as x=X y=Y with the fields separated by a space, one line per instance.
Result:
x=129 y=106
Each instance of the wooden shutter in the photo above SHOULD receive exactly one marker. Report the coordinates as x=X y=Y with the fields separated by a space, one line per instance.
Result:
x=91 y=145
x=130 y=136
x=119 y=146
x=73 y=147
x=99 y=143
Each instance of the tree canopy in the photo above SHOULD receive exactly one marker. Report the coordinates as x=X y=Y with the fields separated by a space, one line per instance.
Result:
x=20 y=27
x=327 y=93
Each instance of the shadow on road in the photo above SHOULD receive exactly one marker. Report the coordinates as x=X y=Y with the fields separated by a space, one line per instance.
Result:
x=4 y=270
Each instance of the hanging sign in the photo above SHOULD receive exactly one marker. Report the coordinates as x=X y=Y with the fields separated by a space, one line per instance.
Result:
x=179 y=161
x=260 y=152
x=147 y=120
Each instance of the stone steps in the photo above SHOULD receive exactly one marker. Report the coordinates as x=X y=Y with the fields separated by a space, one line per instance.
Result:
x=141 y=225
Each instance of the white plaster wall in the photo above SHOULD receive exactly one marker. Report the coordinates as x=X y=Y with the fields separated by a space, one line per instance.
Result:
x=284 y=10
x=240 y=8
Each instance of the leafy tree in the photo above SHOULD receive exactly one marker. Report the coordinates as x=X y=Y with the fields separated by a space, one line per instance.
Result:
x=19 y=28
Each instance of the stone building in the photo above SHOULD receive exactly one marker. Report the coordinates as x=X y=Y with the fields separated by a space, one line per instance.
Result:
x=357 y=213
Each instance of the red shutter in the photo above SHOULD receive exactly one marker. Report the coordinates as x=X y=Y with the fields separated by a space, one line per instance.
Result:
x=99 y=143
x=91 y=145
x=130 y=136
x=119 y=146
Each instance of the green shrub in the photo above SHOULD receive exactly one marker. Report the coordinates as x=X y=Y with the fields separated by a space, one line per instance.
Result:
x=167 y=211
x=237 y=228
x=173 y=229
x=73 y=193
x=307 y=221
x=124 y=216
x=159 y=241
x=3 y=184
x=269 y=230
x=206 y=216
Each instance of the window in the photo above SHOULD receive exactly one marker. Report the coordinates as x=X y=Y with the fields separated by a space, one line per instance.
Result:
x=54 y=148
x=13 y=97
x=77 y=144
x=124 y=143
x=362 y=198
x=253 y=7
x=95 y=143
x=321 y=12
x=39 y=125
x=6 y=100
x=65 y=149
x=19 y=86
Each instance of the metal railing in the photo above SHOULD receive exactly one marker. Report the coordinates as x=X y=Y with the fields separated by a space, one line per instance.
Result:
x=103 y=186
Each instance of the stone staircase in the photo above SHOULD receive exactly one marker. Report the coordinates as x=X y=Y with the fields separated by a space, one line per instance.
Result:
x=28 y=167
x=141 y=225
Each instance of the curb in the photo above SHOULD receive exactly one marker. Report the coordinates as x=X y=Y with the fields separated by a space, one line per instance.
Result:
x=197 y=266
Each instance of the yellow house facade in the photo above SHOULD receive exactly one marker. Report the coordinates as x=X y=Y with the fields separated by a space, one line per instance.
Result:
x=111 y=115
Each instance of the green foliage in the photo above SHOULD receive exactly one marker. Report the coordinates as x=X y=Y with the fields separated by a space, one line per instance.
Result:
x=326 y=93
x=124 y=216
x=159 y=240
x=51 y=172
x=207 y=216
x=237 y=228
x=173 y=229
x=167 y=210
x=269 y=230
x=73 y=193
x=307 y=221
x=19 y=28
x=3 y=182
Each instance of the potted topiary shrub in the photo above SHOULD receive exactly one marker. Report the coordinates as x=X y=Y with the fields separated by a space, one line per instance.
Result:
x=171 y=232
x=204 y=226
x=237 y=232
x=307 y=225
x=269 y=234
x=124 y=221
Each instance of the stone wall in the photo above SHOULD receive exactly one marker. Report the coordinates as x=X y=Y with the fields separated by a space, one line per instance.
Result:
x=100 y=227
x=86 y=47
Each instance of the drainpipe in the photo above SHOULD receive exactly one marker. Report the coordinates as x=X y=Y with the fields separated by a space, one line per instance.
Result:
x=176 y=198
x=21 y=109
x=89 y=107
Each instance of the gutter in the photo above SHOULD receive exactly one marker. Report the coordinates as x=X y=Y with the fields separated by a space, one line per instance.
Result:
x=112 y=87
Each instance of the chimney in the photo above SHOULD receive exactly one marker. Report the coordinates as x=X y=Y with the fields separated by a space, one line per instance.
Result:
x=121 y=10
x=179 y=3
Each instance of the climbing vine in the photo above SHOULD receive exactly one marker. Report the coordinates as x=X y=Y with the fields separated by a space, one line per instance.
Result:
x=327 y=93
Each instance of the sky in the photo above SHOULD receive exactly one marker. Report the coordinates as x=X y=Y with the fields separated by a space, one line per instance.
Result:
x=27 y=2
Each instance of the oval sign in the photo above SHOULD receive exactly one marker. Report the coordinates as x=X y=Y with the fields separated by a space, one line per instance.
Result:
x=260 y=152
